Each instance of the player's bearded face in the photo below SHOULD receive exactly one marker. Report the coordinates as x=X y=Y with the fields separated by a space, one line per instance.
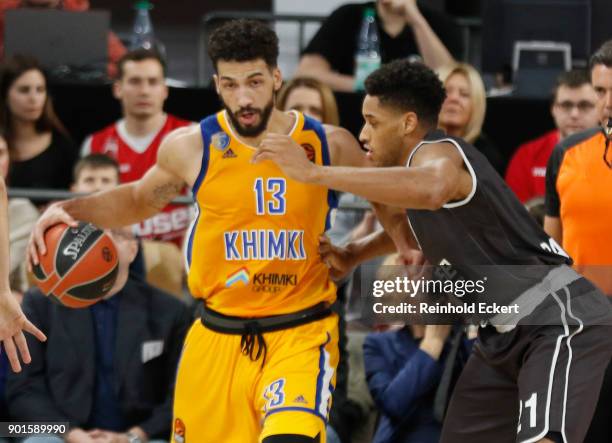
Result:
x=250 y=121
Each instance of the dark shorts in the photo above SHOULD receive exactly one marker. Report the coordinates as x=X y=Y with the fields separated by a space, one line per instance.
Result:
x=543 y=376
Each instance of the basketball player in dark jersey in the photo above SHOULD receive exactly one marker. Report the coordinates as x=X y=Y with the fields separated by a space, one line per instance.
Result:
x=537 y=377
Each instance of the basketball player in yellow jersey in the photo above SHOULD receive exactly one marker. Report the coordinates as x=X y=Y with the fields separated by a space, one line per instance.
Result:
x=259 y=363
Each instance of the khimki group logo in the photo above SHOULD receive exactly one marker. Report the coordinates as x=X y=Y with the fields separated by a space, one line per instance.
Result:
x=239 y=276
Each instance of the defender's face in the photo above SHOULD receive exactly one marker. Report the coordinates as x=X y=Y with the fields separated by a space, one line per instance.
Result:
x=381 y=134
x=247 y=91
x=601 y=79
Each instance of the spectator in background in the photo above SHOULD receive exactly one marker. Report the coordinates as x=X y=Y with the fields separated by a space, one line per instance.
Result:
x=115 y=48
x=21 y=218
x=573 y=110
x=403 y=370
x=42 y=153
x=311 y=97
x=463 y=111
x=107 y=369
x=403 y=31
x=134 y=140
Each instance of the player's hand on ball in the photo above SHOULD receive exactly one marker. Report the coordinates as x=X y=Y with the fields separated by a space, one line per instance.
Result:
x=52 y=216
x=339 y=260
x=287 y=154
x=13 y=323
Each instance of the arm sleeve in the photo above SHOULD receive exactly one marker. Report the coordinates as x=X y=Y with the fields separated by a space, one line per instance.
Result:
x=397 y=395
x=27 y=394
x=157 y=425
x=553 y=203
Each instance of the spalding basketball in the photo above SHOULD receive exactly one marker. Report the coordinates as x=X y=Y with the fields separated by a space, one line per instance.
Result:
x=80 y=266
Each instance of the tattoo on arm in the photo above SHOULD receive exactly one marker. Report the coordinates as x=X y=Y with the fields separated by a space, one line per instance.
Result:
x=163 y=194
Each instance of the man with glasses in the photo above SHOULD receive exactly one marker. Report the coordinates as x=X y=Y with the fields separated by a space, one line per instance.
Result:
x=573 y=110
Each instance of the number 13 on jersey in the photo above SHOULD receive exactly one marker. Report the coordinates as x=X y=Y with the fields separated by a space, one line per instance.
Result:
x=276 y=204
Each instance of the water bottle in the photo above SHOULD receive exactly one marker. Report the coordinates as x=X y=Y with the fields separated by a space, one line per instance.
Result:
x=367 y=57
x=142 y=34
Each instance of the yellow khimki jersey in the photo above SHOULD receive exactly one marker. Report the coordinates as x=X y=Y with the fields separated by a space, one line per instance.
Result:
x=253 y=247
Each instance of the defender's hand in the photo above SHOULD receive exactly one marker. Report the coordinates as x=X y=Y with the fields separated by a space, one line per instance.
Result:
x=339 y=260
x=287 y=154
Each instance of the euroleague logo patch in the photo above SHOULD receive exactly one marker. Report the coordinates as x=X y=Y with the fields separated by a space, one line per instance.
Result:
x=220 y=140
x=179 y=431
x=310 y=151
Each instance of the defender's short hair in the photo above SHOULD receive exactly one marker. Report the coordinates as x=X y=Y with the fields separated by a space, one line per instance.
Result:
x=243 y=40
x=408 y=86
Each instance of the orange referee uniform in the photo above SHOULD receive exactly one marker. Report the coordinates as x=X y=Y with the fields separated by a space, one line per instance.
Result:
x=579 y=192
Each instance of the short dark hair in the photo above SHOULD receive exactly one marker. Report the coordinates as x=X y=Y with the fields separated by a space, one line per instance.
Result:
x=408 y=86
x=571 y=79
x=603 y=56
x=243 y=40
x=93 y=161
x=138 y=55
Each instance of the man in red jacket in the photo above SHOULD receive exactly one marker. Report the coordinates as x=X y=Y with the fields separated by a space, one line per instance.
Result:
x=133 y=141
x=573 y=110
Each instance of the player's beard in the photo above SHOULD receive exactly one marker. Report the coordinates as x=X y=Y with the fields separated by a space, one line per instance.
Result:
x=251 y=131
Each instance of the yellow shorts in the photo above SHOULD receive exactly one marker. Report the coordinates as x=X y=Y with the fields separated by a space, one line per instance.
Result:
x=222 y=396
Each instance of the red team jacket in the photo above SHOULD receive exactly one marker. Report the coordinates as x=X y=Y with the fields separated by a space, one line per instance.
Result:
x=169 y=225
x=526 y=174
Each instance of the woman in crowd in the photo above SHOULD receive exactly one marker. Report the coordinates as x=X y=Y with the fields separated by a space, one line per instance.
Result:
x=42 y=154
x=311 y=97
x=464 y=109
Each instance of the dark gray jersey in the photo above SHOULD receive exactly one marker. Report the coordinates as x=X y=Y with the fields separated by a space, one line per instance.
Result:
x=489 y=228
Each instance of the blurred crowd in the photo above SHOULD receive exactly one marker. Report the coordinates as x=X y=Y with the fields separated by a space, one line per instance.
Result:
x=108 y=369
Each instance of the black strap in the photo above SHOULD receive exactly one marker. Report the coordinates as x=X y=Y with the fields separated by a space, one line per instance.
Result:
x=252 y=342
x=251 y=335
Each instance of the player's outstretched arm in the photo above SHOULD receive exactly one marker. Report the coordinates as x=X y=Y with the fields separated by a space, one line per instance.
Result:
x=396 y=236
x=437 y=175
x=13 y=323
x=125 y=204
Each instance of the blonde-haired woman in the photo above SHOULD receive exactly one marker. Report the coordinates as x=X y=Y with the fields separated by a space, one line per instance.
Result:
x=311 y=97
x=464 y=109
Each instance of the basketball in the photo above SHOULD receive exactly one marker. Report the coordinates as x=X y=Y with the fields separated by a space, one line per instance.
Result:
x=80 y=266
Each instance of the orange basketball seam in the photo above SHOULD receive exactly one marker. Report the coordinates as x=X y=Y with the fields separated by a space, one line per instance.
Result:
x=74 y=265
